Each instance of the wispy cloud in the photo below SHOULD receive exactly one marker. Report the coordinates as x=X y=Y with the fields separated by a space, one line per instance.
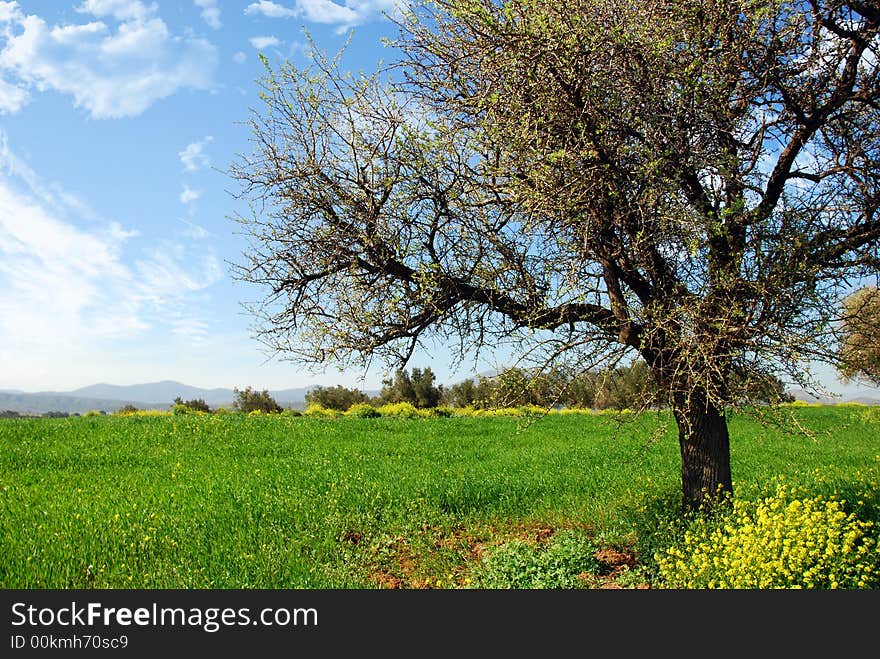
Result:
x=239 y=57
x=194 y=157
x=324 y=11
x=353 y=12
x=189 y=195
x=110 y=70
x=71 y=284
x=270 y=9
x=122 y=10
x=264 y=42
x=210 y=13
x=193 y=230
x=12 y=98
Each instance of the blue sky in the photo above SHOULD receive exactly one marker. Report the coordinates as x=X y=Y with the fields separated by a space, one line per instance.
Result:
x=118 y=119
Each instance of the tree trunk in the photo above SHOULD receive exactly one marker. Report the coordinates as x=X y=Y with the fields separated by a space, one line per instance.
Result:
x=705 y=452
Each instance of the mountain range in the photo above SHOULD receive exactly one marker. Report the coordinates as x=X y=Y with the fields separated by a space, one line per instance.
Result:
x=112 y=397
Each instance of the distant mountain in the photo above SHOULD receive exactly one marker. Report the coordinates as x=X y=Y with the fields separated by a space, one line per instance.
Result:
x=25 y=403
x=805 y=397
x=865 y=400
x=168 y=390
x=165 y=391
x=801 y=395
x=150 y=396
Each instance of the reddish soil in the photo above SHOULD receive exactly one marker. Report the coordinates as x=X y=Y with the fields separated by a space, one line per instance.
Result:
x=403 y=569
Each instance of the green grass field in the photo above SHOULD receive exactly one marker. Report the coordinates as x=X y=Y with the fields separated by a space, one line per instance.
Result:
x=293 y=502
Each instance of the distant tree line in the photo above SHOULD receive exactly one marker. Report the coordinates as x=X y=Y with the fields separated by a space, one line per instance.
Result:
x=416 y=387
x=630 y=386
x=623 y=387
x=12 y=414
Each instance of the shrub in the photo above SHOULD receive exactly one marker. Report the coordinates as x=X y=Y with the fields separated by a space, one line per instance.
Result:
x=291 y=412
x=363 y=411
x=315 y=410
x=781 y=541
x=127 y=409
x=402 y=411
x=531 y=410
x=196 y=404
x=559 y=563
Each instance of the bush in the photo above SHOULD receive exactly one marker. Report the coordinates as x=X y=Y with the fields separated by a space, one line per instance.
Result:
x=363 y=411
x=319 y=411
x=557 y=564
x=179 y=408
x=196 y=404
x=402 y=411
x=781 y=541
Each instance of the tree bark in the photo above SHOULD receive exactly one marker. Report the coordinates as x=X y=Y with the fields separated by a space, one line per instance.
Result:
x=705 y=452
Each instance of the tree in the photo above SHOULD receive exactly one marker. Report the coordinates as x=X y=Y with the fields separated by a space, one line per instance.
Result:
x=427 y=394
x=417 y=388
x=859 y=356
x=195 y=404
x=336 y=398
x=630 y=387
x=687 y=182
x=461 y=394
x=251 y=400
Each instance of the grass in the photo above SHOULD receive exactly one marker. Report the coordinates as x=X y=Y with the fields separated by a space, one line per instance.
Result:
x=295 y=502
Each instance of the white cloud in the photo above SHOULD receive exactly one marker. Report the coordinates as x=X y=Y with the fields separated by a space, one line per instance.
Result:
x=70 y=288
x=210 y=13
x=264 y=42
x=189 y=195
x=12 y=98
x=122 y=10
x=270 y=9
x=111 y=71
x=191 y=330
x=324 y=11
x=353 y=12
x=194 y=231
x=239 y=57
x=8 y=10
x=194 y=157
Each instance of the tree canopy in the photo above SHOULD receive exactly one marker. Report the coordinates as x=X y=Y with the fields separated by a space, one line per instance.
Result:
x=860 y=348
x=692 y=183
x=335 y=398
x=252 y=400
x=416 y=387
